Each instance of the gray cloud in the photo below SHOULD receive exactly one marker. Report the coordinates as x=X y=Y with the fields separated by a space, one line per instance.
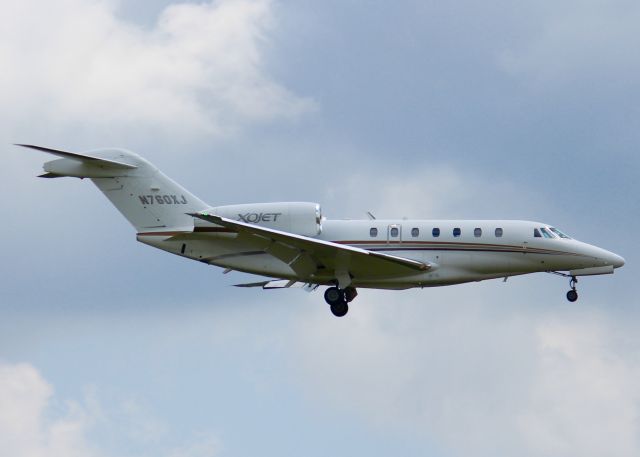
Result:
x=578 y=42
x=430 y=110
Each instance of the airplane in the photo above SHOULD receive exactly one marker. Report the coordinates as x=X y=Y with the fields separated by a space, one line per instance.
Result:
x=294 y=245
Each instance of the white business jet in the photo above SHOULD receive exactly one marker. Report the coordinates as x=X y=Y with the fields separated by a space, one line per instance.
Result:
x=295 y=246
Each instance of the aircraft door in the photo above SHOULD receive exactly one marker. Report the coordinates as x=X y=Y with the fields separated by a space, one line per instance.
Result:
x=394 y=234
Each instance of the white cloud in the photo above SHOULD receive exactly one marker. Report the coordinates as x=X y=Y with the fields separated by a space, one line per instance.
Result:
x=26 y=430
x=199 y=69
x=447 y=366
x=33 y=423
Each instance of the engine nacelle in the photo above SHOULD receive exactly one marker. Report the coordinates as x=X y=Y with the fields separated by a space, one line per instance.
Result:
x=301 y=218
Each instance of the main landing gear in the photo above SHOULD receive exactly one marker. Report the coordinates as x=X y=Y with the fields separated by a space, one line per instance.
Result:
x=338 y=299
x=572 y=295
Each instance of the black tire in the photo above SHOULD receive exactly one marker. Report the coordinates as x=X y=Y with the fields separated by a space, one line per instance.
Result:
x=350 y=293
x=340 y=309
x=333 y=295
x=572 y=295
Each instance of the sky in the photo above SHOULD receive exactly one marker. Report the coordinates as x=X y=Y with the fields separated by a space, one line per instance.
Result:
x=419 y=109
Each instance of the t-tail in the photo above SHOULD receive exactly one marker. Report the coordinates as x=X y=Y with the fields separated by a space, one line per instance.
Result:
x=146 y=197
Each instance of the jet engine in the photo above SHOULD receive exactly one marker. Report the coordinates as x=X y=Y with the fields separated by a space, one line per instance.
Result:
x=301 y=218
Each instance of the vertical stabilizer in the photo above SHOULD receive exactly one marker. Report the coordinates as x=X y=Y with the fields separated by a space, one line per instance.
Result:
x=146 y=197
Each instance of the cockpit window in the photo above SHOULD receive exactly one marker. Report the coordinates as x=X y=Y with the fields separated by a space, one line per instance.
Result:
x=559 y=233
x=536 y=233
x=546 y=233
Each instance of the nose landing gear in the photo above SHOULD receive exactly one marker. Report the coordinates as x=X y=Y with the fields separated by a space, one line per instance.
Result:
x=572 y=295
x=338 y=299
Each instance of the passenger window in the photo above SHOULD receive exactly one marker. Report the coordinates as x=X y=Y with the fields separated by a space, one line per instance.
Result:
x=457 y=232
x=499 y=232
x=477 y=232
x=435 y=232
x=373 y=232
x=394 y=232
x=415 y=232
x=536 y=233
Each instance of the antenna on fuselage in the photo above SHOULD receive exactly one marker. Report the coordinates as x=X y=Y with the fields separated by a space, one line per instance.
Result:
x=371 y=216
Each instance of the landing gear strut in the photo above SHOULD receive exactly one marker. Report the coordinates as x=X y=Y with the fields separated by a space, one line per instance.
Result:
x=572 y=295
x=338 y=299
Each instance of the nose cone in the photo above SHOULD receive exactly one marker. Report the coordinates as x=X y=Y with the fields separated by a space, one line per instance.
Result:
x=609 y=258
x=616 y=260
x=594 y=256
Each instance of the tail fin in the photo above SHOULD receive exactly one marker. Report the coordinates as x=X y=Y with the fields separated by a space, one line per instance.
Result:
x=145 y=196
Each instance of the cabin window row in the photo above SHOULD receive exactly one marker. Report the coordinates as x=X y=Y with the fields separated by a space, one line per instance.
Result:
x=435 y=232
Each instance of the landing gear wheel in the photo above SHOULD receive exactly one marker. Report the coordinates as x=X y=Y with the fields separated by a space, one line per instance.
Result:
x=350 y=293
x=338 y=299
x=572 y=295
x=340 y=308
x=333 y=295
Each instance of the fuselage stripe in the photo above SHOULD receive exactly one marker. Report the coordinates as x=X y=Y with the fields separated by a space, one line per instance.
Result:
x=402 y=246
x=452 y=246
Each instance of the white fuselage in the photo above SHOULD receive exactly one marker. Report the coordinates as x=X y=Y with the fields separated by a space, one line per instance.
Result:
x=500 y=248
x=292 y=241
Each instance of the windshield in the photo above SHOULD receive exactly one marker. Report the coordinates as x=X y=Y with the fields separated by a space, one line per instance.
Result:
x=559 y=233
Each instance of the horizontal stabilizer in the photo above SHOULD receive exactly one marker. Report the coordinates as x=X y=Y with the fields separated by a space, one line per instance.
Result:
x=79 y=157
x=50 y=175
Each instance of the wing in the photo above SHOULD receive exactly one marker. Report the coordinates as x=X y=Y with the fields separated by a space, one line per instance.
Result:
x=310 y=257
